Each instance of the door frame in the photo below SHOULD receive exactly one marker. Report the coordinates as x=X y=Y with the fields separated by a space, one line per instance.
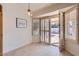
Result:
x=62 y=40
x=1 y=42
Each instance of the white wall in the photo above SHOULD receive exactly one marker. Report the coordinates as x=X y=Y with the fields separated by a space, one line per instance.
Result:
x=15 y=37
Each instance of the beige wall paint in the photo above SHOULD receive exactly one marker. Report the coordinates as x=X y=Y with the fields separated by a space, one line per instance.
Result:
x=71 y=44
x=15 y=37
x=71 y=41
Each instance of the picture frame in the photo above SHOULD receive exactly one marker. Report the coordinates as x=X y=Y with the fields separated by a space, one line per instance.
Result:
x=21 y=23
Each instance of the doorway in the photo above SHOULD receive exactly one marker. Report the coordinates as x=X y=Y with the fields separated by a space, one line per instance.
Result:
x=1 y=48
x=45 y=30
x=50 y=30
x=54 y=31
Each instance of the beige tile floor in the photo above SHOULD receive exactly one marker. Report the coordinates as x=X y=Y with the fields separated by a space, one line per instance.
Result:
x=37 y=49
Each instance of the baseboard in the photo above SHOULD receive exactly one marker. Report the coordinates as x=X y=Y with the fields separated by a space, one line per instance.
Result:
x=69 y=52
x=1 y=54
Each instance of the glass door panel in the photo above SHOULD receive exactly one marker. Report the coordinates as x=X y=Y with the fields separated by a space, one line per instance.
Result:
x=54 y=31
x=35 y=30
x=47 y=30
x=42 y=30
x=42 y=36
x=46 y=37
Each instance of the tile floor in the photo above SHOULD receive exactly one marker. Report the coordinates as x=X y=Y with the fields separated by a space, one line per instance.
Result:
x=37 y=49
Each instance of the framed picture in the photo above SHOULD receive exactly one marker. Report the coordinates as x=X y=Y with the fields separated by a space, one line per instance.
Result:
x=21 y=23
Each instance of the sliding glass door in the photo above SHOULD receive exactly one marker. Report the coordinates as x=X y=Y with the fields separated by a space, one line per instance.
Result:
x=50 y=30
x=54 y=31
x=45 y=30
x=42 y=30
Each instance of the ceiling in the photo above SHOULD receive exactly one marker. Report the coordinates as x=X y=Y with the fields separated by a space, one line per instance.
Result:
x=36 y=6
x=42 y=8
